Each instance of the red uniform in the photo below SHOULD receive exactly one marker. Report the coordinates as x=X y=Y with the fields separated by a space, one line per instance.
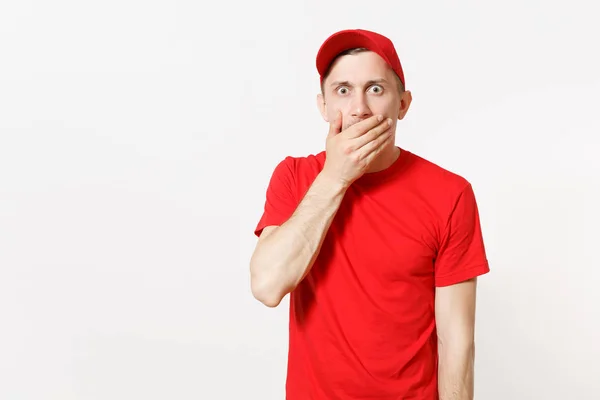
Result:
x=362 y=321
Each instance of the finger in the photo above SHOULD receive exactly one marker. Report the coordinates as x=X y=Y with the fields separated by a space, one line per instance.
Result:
x=372 y=134
x=363 y=126
x=335 y=126
x=370 y=150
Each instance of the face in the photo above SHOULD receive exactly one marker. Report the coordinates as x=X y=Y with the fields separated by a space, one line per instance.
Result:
x=361 y=85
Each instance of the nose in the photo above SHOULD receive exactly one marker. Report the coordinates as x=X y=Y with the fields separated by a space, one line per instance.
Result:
x=359 y=107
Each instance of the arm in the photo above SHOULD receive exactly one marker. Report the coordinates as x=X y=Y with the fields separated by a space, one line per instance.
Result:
x=284 y=254
x=455 y=320
x=288 y=247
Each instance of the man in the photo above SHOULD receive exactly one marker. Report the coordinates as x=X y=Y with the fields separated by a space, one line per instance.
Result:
x=379 y=248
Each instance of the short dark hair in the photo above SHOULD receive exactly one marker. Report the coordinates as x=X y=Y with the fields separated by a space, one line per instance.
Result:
x=353 y=51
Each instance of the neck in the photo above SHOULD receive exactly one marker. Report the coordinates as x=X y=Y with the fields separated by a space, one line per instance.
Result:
x=385 y=159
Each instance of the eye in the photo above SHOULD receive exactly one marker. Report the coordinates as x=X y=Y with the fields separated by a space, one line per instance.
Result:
x=342 y=90
x=376 y=89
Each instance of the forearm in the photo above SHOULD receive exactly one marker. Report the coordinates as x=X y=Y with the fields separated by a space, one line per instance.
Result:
x=285 y=257
x=456 y=371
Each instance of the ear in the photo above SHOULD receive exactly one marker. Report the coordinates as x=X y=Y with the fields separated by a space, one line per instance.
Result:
x=405 y=101
x=322 y=106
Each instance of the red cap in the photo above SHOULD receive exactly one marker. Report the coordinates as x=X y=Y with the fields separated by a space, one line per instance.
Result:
x=351 y=38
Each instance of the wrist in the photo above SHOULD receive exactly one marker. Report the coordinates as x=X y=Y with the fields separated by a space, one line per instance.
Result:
x=331 y=184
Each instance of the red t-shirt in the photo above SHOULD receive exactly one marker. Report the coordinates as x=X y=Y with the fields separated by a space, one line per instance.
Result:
x=362 y=321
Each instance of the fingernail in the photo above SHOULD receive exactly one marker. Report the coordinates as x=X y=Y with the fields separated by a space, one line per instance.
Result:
x=389 y=121
x=380 y=118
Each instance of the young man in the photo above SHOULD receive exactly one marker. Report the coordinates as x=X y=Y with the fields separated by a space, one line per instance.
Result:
x=379 y=248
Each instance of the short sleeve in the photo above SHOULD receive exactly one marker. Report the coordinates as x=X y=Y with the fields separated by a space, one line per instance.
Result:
x=461 y=254
x=280 y=201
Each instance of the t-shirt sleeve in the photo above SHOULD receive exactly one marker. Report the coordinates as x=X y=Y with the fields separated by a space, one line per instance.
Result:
x=280 y=201
x=461 y=254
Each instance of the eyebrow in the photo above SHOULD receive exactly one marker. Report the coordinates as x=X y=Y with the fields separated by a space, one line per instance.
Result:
x=369 y=83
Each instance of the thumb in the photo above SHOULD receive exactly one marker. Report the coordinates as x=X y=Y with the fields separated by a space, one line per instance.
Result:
x=335 y=126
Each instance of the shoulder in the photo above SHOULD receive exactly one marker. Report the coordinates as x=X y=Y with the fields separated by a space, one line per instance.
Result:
x=431 y=175
x=440 y=188
x=302 y=166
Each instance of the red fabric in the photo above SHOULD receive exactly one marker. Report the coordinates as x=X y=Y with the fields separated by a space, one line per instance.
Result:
x=353 y=38
x=362 y=321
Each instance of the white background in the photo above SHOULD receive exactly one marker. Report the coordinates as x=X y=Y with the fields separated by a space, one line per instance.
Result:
x=137 y=140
